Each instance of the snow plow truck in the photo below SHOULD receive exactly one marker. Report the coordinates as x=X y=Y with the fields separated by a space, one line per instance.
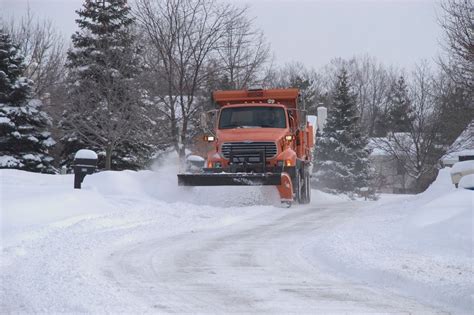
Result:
x=258 y=137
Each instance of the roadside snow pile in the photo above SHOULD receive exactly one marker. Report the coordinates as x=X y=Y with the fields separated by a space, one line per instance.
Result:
x=419 y=246
x=30 y=200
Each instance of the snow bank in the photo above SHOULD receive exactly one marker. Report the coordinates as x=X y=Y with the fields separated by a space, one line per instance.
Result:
x=33 y=201
x=419 y=245
x=54 y=238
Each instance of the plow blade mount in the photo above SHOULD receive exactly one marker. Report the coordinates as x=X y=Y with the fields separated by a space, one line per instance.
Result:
x=226 y=179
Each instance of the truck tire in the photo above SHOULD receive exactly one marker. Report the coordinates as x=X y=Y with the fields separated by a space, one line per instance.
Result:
x=301 y=187
x=297 y=186
x=305 y=187
x=308 y=186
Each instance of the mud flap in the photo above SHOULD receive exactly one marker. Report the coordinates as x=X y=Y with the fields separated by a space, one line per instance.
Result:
x=286 y=188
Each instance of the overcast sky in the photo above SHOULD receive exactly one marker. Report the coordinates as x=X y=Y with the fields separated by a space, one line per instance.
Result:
x=397 y=32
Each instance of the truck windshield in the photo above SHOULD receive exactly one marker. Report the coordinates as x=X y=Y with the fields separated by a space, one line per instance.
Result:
x=252 y=117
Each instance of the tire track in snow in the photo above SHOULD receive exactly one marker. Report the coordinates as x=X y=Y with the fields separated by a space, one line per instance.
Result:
x=251 y=266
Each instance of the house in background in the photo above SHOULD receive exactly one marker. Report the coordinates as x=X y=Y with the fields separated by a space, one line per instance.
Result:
x=462 y=149
x=390 y=175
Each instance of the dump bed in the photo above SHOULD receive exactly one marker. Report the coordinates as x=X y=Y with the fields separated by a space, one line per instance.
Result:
x=287 y=97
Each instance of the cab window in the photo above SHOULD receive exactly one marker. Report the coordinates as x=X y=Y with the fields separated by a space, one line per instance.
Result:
x=252 y=117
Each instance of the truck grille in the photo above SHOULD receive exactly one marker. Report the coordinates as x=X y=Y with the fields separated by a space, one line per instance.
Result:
x=249 y=149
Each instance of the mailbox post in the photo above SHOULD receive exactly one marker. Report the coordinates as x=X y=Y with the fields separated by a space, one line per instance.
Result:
x=85 y=163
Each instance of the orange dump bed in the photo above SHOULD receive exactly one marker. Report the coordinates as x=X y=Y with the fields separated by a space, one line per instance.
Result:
x=287 y=97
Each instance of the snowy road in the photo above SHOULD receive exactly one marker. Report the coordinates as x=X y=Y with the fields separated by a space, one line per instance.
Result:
x=252 y=266
x=121 y=245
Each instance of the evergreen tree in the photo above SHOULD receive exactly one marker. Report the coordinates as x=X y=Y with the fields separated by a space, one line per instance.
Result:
x=24 y=136
x=106 y=112
x=399 y=108
x=341 y=155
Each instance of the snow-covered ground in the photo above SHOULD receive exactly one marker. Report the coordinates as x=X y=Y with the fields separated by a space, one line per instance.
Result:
x=420 y=246
x=135 y=242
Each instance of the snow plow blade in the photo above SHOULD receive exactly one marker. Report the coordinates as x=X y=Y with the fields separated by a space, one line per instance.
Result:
x=226 y=179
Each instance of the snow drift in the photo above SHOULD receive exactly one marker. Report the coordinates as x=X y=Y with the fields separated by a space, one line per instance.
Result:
x=419 y=246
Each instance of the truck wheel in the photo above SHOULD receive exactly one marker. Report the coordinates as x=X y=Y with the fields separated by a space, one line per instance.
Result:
x=305 y=188
x=297 y=186
x=308 y=186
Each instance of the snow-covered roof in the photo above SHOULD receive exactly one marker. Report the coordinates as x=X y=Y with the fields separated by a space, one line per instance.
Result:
x=375 y=148
x=463 y=145
x=463 y=167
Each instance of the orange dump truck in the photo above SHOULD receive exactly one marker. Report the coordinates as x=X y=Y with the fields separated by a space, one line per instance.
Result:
x=258 y=137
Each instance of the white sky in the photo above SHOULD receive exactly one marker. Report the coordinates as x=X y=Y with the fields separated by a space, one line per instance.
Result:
x=397 y=32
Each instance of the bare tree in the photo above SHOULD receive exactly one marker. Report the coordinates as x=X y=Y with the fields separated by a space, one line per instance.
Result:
x=372 y=82
x=185 y=35
x=416 y=150
x=295 y=75
x=457 y=22
x=43 y=47
x=243 y=52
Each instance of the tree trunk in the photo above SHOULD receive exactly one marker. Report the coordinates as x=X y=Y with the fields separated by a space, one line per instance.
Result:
x=183 y=137
x=108 y=157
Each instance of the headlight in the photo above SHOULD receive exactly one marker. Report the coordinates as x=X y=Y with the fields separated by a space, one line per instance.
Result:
x=279 y=163
x=289 y=137
x=209 y=138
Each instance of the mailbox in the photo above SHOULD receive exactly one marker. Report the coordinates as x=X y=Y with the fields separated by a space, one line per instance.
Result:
x=85 y=163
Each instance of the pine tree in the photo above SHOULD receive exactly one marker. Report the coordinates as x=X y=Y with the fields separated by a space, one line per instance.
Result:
x=106 y=110
x=341 y=155
x=24 y=136
x=399 y=107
